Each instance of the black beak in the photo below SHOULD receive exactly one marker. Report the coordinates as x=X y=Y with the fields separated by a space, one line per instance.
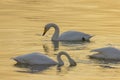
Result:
x=44 y=33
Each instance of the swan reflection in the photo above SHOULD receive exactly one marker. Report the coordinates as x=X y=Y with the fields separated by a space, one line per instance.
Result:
x=41 y=68
x=71 y=45
x=33 y=68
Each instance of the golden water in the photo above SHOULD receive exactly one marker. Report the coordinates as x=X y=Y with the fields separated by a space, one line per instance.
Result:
x=22 y=20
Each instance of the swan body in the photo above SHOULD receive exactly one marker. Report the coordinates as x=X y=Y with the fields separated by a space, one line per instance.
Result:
x=66 y=36
x=41 y=59
x=106 y=53
x=74 y=35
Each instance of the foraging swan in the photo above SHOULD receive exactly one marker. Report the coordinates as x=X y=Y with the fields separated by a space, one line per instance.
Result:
x=106 y=53
x=66 y=36
x=41 y=59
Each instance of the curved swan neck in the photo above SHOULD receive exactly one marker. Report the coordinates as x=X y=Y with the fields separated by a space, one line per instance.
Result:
x=60 y=61
x=56 y=33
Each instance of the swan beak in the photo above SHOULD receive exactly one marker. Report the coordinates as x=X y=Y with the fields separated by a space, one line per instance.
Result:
x=44 y=33
x=73 y=63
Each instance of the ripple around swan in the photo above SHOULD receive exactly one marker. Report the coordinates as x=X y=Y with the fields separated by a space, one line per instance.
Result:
x=32 y=68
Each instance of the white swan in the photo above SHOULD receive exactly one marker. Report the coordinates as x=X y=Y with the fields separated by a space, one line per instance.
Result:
x=66 y=36
x=106 y=53
x=41 y=59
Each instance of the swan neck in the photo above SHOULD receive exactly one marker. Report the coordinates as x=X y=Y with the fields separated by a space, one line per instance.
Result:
x=60 y=61
x=56 y=33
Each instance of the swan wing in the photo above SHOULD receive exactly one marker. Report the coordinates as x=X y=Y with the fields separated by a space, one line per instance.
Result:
x=34 y=58
x=106 y=56
x=106 y=53
x=106 y=50
x=74 y=35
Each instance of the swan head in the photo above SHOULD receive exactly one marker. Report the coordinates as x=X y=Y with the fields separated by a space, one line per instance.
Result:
x=72 y=62
x=61 y=63
x=48 y=26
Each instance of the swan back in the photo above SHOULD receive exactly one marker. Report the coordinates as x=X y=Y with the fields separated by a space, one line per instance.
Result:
x=60 y=62
x=106 y=50
x=35 y=58
x=74 y=36
x=107 y=53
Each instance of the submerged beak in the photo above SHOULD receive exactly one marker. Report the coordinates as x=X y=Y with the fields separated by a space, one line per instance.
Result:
x=44 y=32
x=73 y=63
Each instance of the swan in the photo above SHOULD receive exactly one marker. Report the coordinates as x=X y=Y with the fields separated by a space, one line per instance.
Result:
x=41 y=59
x=66 y=36
x=106 y=53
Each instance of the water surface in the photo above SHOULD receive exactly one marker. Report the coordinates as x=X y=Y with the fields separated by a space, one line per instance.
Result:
x=22 y=20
